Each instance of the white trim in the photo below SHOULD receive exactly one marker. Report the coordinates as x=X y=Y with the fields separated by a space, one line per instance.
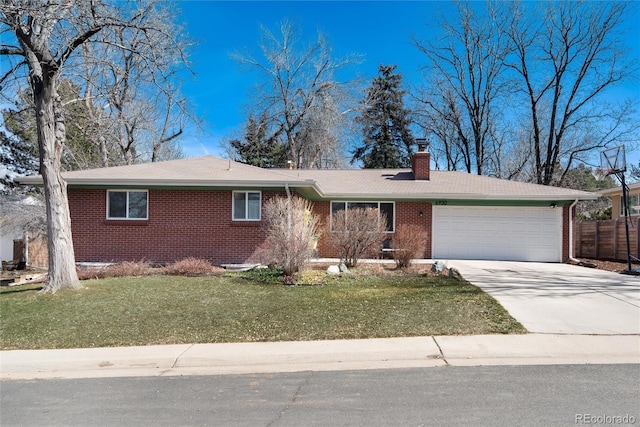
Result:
x=127 y=191
x=246 y=205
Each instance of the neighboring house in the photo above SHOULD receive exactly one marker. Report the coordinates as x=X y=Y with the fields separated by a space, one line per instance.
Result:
x=20 y=217
x=616 y=200
x=211 y=208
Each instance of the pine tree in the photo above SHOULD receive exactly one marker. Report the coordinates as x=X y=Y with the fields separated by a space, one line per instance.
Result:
x=17 y=158
x=385 y=123
x=257 y=149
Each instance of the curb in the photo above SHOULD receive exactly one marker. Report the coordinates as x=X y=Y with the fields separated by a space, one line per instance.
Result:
x=271 y=357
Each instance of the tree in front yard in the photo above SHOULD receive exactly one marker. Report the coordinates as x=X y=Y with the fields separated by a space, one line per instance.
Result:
x=356 y=233
x=291 y=228
x=46 y=42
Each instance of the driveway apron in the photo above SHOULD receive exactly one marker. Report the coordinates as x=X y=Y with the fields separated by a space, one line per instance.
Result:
x=559 y=298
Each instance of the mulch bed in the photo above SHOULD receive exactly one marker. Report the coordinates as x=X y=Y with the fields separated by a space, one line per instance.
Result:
x=615 y=266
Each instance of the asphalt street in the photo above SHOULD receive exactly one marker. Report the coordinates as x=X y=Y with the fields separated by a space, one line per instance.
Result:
x=481 y=395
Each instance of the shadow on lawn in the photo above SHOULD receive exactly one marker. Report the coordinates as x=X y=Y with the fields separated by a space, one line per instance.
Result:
x=20 y=290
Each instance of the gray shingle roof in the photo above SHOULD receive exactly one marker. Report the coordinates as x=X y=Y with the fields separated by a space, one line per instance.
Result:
x=442 y=184
x=396 y=184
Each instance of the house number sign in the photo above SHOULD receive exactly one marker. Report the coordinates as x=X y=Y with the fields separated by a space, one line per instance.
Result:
x=441 y=202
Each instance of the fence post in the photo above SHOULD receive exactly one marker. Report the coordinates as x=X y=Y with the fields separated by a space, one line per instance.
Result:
x=615 y=239
x=577 y=239
x=597 y=240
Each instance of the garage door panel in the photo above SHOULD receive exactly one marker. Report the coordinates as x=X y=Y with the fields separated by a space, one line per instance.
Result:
x=517 y=234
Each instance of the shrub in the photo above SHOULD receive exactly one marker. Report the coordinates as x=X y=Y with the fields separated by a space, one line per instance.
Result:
x=409 y=242
x=291 y=228
x=189 y=266
x=356 y=233
x=121 y=269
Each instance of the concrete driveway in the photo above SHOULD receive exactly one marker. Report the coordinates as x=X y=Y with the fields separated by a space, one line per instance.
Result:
x=559 y=298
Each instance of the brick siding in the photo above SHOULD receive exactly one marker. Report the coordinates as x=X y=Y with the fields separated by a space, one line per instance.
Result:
x=406 y=213
x=197 y=223
x=181 y=224
x=190 y=223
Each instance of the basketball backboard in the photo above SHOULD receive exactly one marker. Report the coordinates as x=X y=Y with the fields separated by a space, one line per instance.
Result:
x=613 y=160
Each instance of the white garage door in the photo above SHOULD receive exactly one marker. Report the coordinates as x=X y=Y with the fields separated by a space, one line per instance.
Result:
x=497 y=233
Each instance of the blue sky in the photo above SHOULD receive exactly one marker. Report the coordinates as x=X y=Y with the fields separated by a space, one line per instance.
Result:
x=379 y=30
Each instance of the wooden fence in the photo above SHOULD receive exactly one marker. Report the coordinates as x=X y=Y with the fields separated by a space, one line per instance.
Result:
x=606 y=239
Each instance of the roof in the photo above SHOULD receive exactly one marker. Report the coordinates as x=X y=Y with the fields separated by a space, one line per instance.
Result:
x=400 y=184
x=195 y=171
x=392 y=184
x=635 y=187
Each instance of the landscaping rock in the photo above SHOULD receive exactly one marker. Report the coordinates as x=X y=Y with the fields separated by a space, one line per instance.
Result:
x=333 y=269
x=455 y=274
x=343 y=268
x=437 y=267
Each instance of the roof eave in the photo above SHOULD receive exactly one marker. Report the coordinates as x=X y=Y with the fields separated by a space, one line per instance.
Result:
x=464 y=196
x=124 y=182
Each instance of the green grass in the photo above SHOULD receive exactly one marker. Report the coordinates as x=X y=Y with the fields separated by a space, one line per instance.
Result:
x=245 y=307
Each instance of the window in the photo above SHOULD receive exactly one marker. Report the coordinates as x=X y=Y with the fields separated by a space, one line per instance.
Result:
x=386 y=208
x=127 y=204
x=634 y=205
x=246 y=205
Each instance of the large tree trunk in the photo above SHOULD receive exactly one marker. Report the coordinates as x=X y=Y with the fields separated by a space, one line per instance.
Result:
x=51 y=133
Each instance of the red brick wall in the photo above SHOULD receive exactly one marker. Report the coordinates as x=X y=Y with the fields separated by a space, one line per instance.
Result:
x=420 y=164
x=406 y=213
x=181 y=224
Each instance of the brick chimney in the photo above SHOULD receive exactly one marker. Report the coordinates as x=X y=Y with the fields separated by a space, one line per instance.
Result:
x=420 y=163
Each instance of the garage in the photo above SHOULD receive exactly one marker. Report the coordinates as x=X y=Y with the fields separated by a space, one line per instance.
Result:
x=497 y=233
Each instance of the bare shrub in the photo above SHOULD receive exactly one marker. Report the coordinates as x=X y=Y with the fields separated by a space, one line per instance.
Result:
x=291 y=228
x=122 y=269
x=356 y=233
x=190 y=266
x=409 y=242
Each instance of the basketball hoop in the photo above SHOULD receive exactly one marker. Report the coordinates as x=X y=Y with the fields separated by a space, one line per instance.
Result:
x=613 y=161
x=599 y=174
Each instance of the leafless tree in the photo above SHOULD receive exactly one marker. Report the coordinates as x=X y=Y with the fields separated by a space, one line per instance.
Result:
x=134 y=76
x=43 y=39
x=291 y=227
x=298 y=89
x=465 y=84
x=356 y=233
x=566 y=55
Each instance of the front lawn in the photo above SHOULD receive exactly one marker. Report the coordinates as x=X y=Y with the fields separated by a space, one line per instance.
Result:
x=245 y=307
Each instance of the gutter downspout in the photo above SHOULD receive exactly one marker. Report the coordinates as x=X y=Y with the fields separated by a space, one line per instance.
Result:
x=571 y=219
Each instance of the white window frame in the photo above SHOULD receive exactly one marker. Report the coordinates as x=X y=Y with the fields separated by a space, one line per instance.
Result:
x=346 y=202
x=634 y=201
x=246 y=205
x=127 y=218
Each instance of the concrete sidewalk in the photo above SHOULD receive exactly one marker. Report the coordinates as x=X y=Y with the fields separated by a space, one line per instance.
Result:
x=245 y=358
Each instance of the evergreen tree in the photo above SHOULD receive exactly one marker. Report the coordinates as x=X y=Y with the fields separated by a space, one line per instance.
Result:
x=257 y=149
x=17 y=158
x=635 y=172
x=385 y=123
